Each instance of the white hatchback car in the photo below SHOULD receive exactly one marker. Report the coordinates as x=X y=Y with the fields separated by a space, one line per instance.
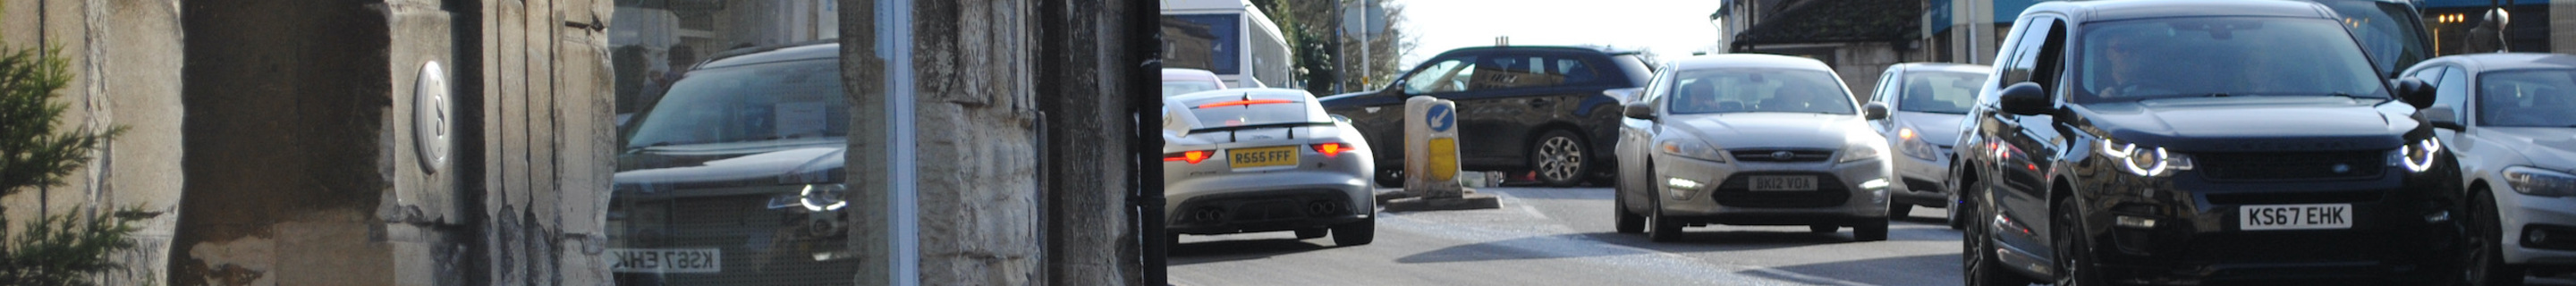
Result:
x=2511 y=120
x=1748 y=139
x=1262 y=160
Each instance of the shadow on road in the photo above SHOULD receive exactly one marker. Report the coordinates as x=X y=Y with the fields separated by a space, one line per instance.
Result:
x=1231 y=250
x=1576 y=245
x=1930 y=265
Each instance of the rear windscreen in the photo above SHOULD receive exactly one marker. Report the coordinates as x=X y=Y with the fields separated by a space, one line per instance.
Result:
x=1256 y=111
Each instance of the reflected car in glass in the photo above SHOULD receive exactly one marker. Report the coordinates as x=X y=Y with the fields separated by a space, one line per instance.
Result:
x=1927 y=101
x=735 y=177
x=1263 y=160
x=1747 y=139
x=2202 y=142
x=2511 y=118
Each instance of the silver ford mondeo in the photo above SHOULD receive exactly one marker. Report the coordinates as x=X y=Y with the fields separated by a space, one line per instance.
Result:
x=1750 y=140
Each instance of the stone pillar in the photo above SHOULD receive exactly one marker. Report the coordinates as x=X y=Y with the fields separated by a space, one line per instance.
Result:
x=976 y=115
x=1087 y=141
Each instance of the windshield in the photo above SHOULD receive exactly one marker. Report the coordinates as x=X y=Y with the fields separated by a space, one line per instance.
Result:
x=1939 y=92
x=2221 y=56
x=2527 y=98
x=2388 y=30
x=1733 y=90
x=786 y=100
x=1171 y=88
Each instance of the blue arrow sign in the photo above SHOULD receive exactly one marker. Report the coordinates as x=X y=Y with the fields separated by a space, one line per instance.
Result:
x=1440 y=118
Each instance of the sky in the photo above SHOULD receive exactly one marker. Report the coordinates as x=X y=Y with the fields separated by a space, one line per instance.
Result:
x=1669 y=28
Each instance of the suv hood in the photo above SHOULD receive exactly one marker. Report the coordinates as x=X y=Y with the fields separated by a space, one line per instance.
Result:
x=2554 y=147
x=1771 y=130
x=2257 y=123
x=699 y=166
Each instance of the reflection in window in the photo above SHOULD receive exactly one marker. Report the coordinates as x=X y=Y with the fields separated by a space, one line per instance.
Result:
x=2527 y=98
x=1759 y=90
x=1939 y=92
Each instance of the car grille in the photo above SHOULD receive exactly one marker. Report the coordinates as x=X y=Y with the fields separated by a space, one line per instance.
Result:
x=2292 y=165
x=1772 y=155
x=1737 y=191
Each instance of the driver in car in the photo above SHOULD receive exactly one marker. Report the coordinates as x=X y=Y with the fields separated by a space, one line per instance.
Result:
x=2124 y=70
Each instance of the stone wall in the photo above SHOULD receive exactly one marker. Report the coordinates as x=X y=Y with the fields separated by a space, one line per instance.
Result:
x=975 y=119
x=124 y=56
x=2562 y=27
x=305 y=166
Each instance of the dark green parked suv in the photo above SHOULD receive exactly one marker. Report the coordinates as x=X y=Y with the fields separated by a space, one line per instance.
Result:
x=1552 y=111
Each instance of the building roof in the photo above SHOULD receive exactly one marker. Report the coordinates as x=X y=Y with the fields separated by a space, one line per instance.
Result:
x=1833 y=21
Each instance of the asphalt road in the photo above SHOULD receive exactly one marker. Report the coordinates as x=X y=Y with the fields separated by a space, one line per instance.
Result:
x=1547 y=236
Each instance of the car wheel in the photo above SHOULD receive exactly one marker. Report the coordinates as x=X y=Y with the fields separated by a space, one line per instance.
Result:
x=1665 y=229
x=1977 y=254
x=1356 y=234
x=1958 y=210
x=1627 y=222
x=1312 y=233
x=2485 y=262
x=1897 y=210
x=1558 y=157
x=2074 y=250
x=1390 y=177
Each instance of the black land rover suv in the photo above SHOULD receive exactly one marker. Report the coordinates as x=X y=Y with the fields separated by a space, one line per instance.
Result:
x=2201 y=142
x=1552 y=110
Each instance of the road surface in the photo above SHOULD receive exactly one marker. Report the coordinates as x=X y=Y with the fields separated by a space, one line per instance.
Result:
x=1549 y=236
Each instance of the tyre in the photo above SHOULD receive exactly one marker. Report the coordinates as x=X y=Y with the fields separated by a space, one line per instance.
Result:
x=1957 y=211
x=1664 y=229
x=1313 y=233
x=2073 y=248
x=1355 y=234
x=1627 y=222
x=1390 y=177
x=1559 y=158
x=1977 y=255
x=1871 y=231
x=2485 y=264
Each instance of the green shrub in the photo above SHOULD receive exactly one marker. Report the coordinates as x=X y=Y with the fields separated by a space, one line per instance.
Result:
x=70 y=248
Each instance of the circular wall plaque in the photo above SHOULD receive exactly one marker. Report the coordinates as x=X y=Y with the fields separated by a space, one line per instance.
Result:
x=430 y=119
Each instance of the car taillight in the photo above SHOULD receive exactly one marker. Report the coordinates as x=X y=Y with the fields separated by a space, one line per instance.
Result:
x=1192 y=156
x=1330 y=149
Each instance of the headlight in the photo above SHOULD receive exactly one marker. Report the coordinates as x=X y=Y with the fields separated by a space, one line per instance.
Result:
x=2540 y=182
x=1690 y=148
x=823 y=197
x=2144 y=161
x=2416 y=157
x=1913 y=146
x=1857 y=149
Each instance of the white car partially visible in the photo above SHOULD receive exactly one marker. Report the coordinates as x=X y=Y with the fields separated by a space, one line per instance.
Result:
x=1263 y=160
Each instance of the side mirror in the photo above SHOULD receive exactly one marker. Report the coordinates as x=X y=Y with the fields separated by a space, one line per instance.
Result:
x=2024 y=98
x=2415 y=92
x=2441 y=117
x=1640 y=110
x=1874 y=111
